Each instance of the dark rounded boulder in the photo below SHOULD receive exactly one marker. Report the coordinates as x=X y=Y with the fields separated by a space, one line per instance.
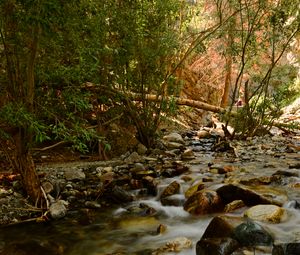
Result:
x=250 y=233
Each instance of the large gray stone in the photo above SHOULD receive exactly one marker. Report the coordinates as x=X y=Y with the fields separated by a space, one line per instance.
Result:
x=173 y=137
x=74 y=174
x=58 y=209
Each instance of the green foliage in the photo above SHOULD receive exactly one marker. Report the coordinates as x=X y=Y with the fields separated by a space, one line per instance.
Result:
x=16 y=115
x=261 y=36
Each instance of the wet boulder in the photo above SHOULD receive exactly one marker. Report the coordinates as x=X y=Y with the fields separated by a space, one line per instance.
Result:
x=141 y=210
x=171 y=189
x=175 y=169
x=188 y=154
x=227 y=235
x=252 y=234
x=266 y=213
x=204 y=202
x=217 y=238
x=249 y=195
x=197 y=186
x=150 y=184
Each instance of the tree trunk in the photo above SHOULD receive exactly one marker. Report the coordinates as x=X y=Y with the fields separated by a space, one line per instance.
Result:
x=228 y=56
x=25 y=167
x=227 y=85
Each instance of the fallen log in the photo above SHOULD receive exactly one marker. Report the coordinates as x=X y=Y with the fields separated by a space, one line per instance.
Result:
x=179 y=101
x=155 y=98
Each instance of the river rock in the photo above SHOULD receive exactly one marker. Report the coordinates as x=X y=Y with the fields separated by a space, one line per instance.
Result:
x=107 y=178
x=142 y=210
x=141 y=149
x=4 y=193
x=47 y=186
x=174 y=138
x=74 y=174
x=216 y=246
x=58 y=209
x=266 y=213
x=234 y=205
x=141 y=174
x=194 y=188
x=222 y=226
x=252 y=234
x=176 y=168
x=134 y=157
x=119 y=195
x=220 y=169
x=137 y=167
x=176 y=245
x=150 y=184
x=171 y=189
x=188 y=154
x=203 y=134
x=103 y=170
x=161 y=229
x=264 y=195
x=217 y=238
x=173 y=145
x=92 y=204
x=203 y=202
x=286 y=249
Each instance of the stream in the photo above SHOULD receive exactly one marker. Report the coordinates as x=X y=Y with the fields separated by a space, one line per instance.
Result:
x=115 y=231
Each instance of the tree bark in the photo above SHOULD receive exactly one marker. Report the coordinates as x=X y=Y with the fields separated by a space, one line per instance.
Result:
x=227 y=85
x=25 y=167
x=228 y=56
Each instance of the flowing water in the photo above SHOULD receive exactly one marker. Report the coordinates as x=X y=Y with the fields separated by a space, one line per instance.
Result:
x=113 y=231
